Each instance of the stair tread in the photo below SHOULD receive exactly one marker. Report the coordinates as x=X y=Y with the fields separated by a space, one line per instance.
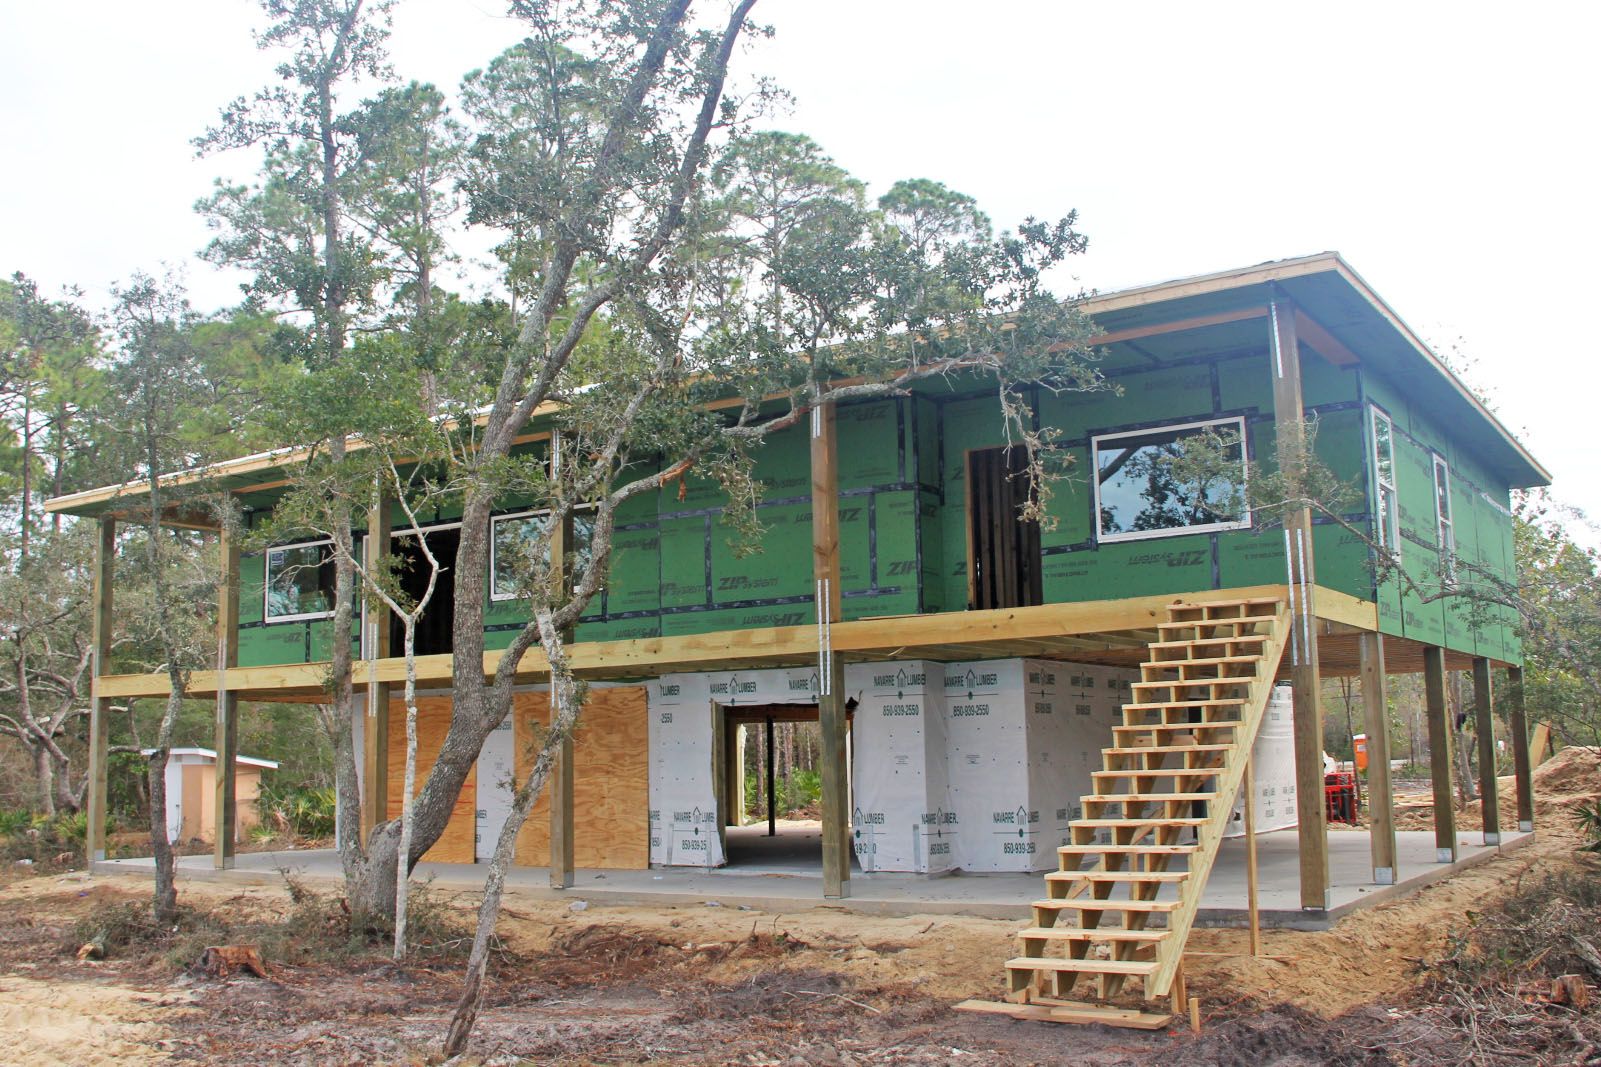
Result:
x=1144 y=798
x=1165 y=877
x=1097 y=933
x=1210 y=661
x=1084 y=966
x=1155 y=820
x=1128 y=850
x=1165 y=750
x=1177 y=727
x=1233 y=620
x=1092 y=904
x=1189 y=642
x=1157 y=705
x=1160 y=772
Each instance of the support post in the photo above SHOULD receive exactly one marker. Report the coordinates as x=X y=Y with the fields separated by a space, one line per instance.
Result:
x=734 y=776
x=376 y=646
x=1484 y=727
x=225 y=810
x=1250 y=857
x=562 y=771
x=1290 y=426
x=1381 y=797
x=1519 y=725
x=772 y=783
x=830 y=669
x=99 y=706
x=1445 y=846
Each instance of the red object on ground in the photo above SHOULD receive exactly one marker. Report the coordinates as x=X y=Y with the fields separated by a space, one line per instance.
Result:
x=1339 y=796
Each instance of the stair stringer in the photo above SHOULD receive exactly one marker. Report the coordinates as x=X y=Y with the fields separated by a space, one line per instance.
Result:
x=1209 y=836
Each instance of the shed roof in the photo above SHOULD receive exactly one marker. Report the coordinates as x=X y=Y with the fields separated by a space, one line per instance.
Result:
x=1208 y=313
x=209 y=755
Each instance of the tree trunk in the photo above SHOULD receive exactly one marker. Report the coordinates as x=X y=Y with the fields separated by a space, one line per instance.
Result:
x=402 y=877
x=164 y=906
x=564 y=716
x=44 y=776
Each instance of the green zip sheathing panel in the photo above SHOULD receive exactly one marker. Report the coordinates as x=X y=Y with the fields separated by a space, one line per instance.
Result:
x=904 y=527
x=1482 y=524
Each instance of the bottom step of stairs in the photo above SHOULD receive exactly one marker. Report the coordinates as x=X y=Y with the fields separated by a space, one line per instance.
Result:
x=1070 y=1011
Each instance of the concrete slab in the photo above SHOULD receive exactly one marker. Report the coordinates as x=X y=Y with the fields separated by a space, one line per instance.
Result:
x=782 y=883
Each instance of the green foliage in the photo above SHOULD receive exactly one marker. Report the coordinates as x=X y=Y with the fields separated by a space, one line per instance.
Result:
x=42 y=840
x=802 y=789
x=305 y=811
x=1588 y=816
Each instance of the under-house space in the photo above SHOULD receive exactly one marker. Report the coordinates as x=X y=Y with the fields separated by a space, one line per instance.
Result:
x=1109 y=722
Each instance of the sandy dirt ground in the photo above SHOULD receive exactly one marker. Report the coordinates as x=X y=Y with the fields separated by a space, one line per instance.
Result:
x=699 y=984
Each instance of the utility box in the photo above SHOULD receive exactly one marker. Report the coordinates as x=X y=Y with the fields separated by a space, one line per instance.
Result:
x=192 y=793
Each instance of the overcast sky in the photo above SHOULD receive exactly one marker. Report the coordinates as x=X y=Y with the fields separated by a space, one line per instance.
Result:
x=1449 y=151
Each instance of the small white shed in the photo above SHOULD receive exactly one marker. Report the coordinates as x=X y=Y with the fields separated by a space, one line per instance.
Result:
x=192 y=793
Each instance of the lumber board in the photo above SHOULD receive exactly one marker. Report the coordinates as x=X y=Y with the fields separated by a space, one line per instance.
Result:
x=611 y=793
x=1062 y=1012
x=455 y=845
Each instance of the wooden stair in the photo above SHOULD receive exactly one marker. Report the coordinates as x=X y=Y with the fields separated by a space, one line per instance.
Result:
x=1165 y=793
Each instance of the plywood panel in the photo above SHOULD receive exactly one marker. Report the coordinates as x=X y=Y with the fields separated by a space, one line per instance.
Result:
x=611 y=801
x=455 y=845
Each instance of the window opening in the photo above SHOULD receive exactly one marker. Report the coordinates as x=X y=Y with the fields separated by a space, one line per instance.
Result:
x=1149 y=484
x=1442 y=515
x=512 y=538
x=300 y=581
x=1388 y=525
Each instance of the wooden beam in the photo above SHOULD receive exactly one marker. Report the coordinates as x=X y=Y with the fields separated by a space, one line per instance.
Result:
x=562 y=873
x=985 y=633
x=831 y=715
x=99 y=704
x=1199 y=322
x=1255 y=918
x=225 y=810
x=1445 y=845
x=1484 y=727
x=375 y=625
x=1327 y=345
x=1381 y=797
x=1519 y=724
x=1290 y=426
x=772 y=784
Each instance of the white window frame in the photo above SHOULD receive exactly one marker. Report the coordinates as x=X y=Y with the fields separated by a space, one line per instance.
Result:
x=1242 y=523
x=1387 y=522
x=1444 y=523
x=495 y=596
x=268 y=618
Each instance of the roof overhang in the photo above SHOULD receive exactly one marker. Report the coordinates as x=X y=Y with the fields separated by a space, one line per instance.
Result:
x=1338 y=315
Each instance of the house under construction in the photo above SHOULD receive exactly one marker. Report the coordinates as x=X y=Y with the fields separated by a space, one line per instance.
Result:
x=1082 y=699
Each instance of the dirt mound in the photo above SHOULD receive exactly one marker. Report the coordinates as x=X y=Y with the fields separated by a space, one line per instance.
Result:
x=1570 y=776
x=1567 y=778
